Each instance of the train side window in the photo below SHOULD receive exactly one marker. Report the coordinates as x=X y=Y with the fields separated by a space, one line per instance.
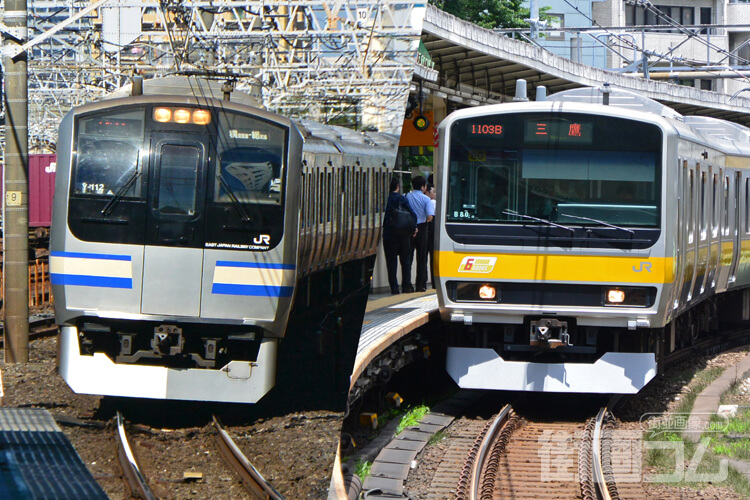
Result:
x=689 y=208
x=725 y=230
x=356 y=191
x=715 y=205
x=377 y=192
x=365 y=197
x=329 y=205
x=321 y=198
x=703 y=221
x=303 y=200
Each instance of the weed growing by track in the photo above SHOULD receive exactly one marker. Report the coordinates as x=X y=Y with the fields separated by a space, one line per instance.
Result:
x=412 y=418
x=362 y=469
x=664 y=461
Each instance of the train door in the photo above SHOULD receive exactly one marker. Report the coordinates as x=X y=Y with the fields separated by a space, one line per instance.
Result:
x=173 y=256
x=681 y=235
x=736 y=226
x=691 y=239
x=716 y=226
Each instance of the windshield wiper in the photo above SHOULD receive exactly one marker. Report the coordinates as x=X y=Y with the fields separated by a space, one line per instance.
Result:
x=544 y=221
x=599 y=222
x=233 y=197
x=120 y=193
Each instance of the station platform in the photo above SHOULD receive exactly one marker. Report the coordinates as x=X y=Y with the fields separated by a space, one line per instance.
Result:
x=389 y=318
x=38 y=462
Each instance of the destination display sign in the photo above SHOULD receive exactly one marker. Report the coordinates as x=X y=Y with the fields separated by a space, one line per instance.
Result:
x=558 y=130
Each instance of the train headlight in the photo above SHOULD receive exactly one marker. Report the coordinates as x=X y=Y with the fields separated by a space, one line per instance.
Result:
x=162 y=115
x=615 y=296
x=628 y=296
x=473 y=292
x=182 y=116
x=487 y=292
x=201 y=117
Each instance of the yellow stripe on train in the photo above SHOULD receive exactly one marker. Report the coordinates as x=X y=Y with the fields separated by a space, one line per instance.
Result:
x=541 y=267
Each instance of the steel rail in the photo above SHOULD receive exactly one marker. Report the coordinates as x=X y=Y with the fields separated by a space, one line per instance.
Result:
x=251 y=478
x=136 y=481
x=596 y=455
x=489 y=437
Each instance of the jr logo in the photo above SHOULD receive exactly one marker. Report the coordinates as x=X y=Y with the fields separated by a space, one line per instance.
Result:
x=263 y=239
x=643 y=266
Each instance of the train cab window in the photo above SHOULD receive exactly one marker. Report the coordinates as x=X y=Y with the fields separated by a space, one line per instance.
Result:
x=251 y=156
x=553 y=169
x=178 y=179
x=107 y=154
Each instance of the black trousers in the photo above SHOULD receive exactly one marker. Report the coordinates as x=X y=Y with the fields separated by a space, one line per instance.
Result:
x=398 y=248
x=430 y=249
x=420 y=245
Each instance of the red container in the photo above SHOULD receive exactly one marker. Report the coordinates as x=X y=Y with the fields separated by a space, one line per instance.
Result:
x=41 y=188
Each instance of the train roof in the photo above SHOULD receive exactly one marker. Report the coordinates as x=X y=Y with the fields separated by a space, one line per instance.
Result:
x=346 y=140
x=731 y=137
x=319 y=138
x=617 y=98
x=188 y=86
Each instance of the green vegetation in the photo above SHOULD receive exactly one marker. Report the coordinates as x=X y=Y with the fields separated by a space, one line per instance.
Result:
x=663 y=461
x=437 y=437
x=490 y=13
x=734 y=438
x=412 y=418
x=362 y=470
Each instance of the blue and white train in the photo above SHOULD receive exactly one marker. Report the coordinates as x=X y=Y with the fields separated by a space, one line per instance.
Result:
x=185 y=232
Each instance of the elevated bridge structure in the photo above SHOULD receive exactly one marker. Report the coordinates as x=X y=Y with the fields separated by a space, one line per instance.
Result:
x=469 y=66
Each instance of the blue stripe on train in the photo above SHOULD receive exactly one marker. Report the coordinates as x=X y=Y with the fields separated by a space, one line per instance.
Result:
x=254 y=290
x=80 y=255
x=256 y=265
x=81 y=280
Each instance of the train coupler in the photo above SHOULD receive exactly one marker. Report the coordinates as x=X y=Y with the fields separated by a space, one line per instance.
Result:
x=167 y=340
x=549 y=332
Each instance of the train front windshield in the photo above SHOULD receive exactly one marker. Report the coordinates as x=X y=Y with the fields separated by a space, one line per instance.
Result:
x=183 y=173
x=566 y=168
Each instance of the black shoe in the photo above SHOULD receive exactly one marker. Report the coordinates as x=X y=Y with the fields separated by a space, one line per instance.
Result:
x=394 y=291
x=407 y=289
x=421 y=290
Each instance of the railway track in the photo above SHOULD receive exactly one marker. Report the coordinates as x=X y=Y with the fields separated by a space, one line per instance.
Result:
x=135 y=479
x=138 y=482
x=513 y=457
x=254 y=482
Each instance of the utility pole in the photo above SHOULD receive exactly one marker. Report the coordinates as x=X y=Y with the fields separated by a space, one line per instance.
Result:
x=16 y=203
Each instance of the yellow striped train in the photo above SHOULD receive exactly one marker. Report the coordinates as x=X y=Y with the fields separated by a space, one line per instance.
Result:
x=582 y=238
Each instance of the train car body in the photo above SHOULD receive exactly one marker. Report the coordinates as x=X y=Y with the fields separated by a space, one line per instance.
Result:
x=579 y=243
x=178 y=240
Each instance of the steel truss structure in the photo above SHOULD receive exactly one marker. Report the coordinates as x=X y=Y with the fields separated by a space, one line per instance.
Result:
x=337 y=61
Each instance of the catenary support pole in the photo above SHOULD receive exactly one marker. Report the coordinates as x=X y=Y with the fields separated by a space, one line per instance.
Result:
x=16 y=206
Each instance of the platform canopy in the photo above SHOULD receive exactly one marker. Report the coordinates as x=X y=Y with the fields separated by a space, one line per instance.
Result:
x=472 y=66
